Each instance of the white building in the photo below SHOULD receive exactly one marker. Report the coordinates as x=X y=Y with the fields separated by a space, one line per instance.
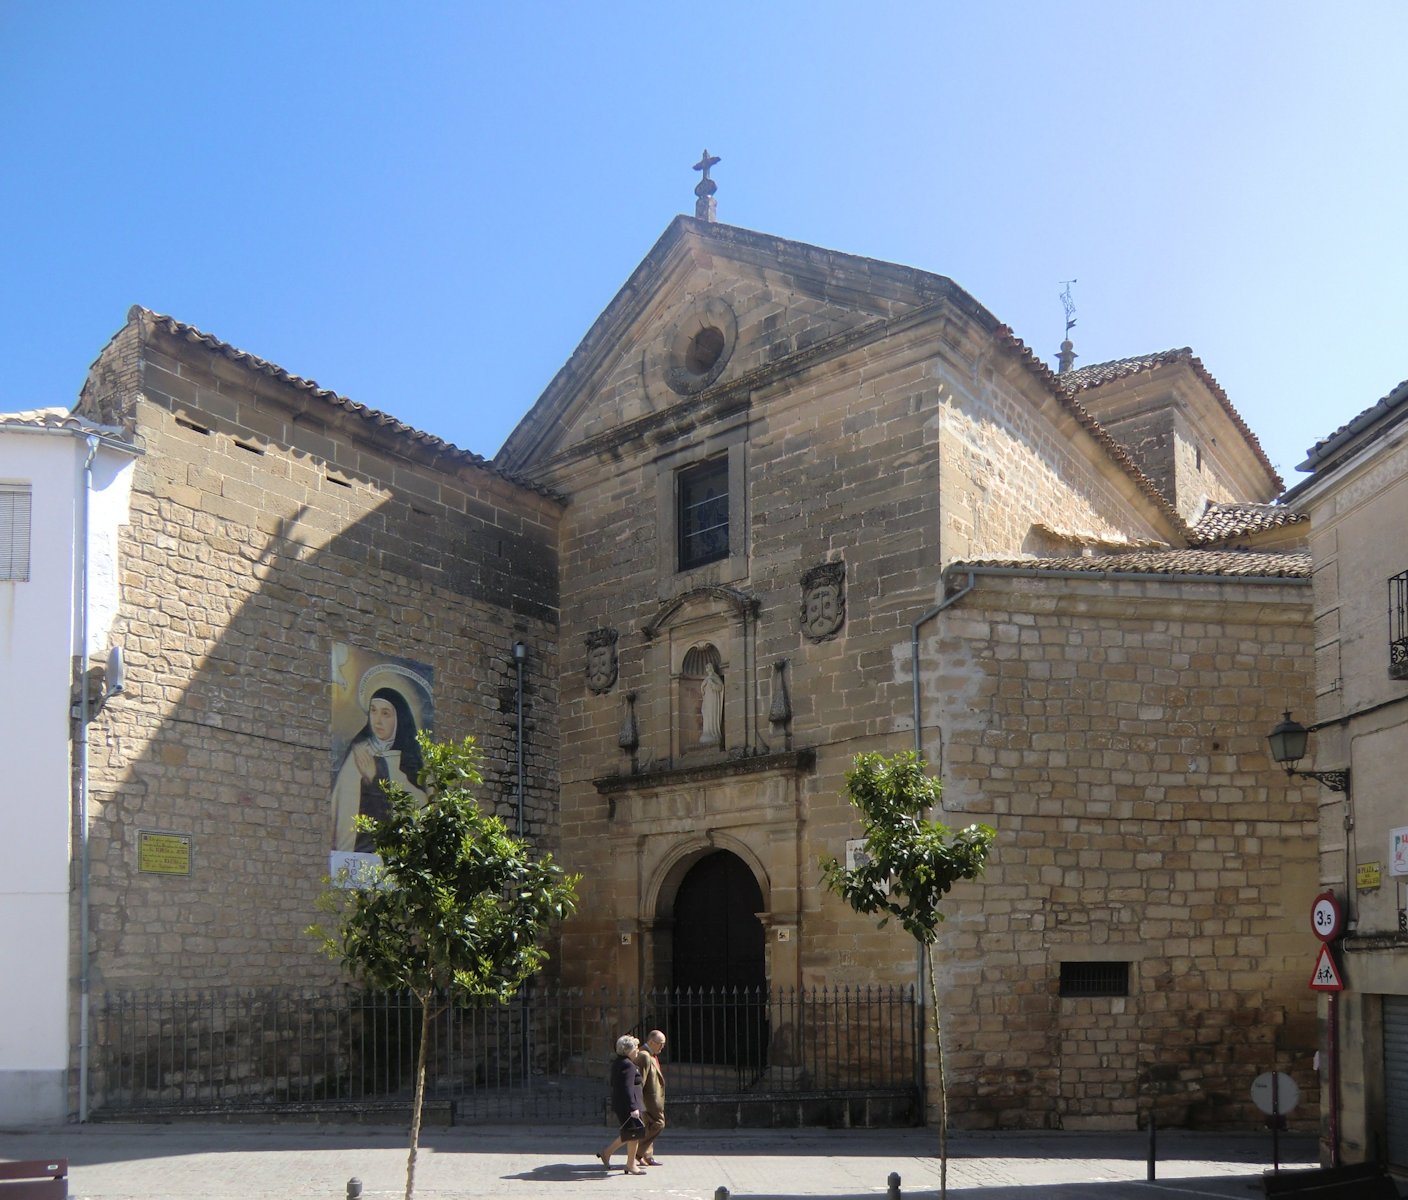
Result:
x=64 y=486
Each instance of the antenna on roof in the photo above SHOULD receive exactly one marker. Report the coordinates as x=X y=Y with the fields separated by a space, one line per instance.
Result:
x=1067 y=357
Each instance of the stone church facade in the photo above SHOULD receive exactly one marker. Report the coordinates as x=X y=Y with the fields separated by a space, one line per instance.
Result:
x=1069 y=593
x=781 y=506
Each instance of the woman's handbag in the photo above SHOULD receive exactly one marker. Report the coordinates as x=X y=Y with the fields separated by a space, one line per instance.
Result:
x=632 y=1129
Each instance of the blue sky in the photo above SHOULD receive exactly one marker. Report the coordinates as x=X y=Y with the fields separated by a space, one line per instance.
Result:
x=424 y=206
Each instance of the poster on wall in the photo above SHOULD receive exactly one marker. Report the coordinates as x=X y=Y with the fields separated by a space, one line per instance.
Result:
x=1398 y=851
x=379 y=703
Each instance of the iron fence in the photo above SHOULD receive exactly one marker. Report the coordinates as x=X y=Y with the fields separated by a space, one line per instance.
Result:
x=733 y=1055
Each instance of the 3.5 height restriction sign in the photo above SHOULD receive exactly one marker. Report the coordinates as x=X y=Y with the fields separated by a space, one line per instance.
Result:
x=1326 y=977
x=1325 y=917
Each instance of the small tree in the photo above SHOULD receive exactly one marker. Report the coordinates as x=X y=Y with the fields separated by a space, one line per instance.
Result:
x=456 y=907
x=911 y=863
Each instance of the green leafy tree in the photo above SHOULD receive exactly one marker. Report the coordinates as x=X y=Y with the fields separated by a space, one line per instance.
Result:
x=910 y=864
x=458 y=908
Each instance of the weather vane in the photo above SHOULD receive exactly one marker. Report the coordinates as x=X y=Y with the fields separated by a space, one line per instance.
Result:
x=1066 y=359
x=1069 y=304
x=704 y=190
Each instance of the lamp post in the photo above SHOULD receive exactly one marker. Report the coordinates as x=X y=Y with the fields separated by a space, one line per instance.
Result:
x=1288 y=742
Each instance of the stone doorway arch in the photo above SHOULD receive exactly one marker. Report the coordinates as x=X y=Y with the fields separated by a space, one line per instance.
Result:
x=718 y=963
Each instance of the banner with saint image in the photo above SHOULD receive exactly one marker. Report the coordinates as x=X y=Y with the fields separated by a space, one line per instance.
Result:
x=379 y=703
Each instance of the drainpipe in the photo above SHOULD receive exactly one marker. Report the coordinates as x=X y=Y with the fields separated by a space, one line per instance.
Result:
x=919 y=966
x=914 y=654
x=83 y=718
x=520 y=656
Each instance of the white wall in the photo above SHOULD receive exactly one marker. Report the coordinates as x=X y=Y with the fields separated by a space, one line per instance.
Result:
x=39 y=630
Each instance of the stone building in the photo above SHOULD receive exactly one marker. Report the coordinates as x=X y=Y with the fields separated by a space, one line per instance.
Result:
x=819 y=504
x=1356 y=494
x=280 y=539
x=782 y=505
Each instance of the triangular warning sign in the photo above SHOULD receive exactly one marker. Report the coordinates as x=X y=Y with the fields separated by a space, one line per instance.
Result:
x=1327 y=976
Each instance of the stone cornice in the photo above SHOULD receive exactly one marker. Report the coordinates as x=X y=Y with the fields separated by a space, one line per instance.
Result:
x=793 y=762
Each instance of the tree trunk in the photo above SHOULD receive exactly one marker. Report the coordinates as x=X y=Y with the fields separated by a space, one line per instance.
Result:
x=943 y=1081
x=425 y=1017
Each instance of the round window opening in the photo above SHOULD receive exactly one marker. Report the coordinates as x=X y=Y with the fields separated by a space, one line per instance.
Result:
x=705 y=347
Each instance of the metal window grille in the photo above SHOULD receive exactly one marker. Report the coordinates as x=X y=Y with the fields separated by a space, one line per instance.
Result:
x=1095 y=979
x=1398 y=626
x=702 y=519
x=15 y=504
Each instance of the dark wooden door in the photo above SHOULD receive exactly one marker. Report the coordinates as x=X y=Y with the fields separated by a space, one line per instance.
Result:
x=720 y=965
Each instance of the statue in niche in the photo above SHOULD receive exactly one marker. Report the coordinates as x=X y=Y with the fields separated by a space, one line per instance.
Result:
x=700 y=699
x=601 y=660
x=824 y=600
x=711 y=707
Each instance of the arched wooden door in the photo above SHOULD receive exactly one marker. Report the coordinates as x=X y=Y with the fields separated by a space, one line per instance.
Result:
x=720 y=965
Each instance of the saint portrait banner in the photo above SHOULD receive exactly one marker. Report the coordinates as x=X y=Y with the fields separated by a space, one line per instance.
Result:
x=379 y=703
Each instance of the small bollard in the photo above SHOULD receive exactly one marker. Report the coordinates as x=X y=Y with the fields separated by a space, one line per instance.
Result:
x=894 y=1190
x=721 y=1193
x=354 y=1189
x=1153 y=1149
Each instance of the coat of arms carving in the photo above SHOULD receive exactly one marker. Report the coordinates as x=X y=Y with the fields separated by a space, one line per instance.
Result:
x=601 y=660
x=824 y=600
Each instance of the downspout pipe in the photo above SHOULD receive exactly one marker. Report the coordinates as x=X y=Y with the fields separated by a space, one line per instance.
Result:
x=84 y=716
x=520 y=657
x=946 y=602
x=919 y=966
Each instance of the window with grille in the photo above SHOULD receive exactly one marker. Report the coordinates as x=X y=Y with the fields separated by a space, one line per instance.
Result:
x=702 y=513
x=14 y=531
x=1095 y=979
x=1398 y=626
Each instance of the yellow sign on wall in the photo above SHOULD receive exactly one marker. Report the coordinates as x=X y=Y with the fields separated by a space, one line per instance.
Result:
x=1368 y=876
x=163 y=853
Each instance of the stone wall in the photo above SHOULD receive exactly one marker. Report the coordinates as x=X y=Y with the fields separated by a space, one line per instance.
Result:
x=268 y=526
x=1114 y=735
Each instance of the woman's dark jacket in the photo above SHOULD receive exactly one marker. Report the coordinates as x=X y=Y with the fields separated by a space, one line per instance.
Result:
x=625 y=1087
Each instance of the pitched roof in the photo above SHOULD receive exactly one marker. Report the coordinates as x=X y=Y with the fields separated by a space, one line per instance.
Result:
x=930 y=288
x=1325 y=449
x=55 y=419
x=380 y=421
x=1241 y=564
x=1223 y=521
x=1098 y=374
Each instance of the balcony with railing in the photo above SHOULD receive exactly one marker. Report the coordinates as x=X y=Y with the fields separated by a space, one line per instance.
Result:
x=1398 y=626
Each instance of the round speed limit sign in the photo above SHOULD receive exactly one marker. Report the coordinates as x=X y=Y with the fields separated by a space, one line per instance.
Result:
x=1325 y=917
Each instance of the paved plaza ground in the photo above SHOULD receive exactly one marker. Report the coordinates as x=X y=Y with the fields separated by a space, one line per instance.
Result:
x=301 y=1161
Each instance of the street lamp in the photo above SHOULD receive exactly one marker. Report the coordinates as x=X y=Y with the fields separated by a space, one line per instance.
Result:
x=1288 y=741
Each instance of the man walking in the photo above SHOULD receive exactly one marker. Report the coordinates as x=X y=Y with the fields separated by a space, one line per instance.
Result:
x=653 y=1093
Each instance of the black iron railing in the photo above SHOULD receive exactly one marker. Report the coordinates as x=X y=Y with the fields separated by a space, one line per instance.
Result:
x=1398 y=626
x=543 y=1055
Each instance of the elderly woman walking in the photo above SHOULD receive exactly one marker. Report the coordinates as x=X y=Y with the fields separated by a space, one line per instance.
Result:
x=626 y=1101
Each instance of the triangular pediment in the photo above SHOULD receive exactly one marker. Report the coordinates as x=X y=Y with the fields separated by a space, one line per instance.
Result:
x=709 y=304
